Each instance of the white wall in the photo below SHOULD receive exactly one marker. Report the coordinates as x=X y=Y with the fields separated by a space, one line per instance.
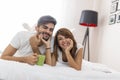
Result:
x=105 y=38
x=15 y=12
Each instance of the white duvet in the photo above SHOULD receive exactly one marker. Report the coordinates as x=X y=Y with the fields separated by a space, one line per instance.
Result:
x=11 y=70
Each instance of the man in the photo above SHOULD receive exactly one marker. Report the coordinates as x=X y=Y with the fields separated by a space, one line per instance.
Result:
x=26 y=46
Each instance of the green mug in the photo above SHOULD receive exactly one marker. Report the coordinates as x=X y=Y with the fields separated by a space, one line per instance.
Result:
x=41 y=60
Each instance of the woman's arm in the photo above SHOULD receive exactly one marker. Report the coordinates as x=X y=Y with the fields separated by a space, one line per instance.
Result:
x=35 y=42
x=53 y=60
x=78 y=57
x=75 y=63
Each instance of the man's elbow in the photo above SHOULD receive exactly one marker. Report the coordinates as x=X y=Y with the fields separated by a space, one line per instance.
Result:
x=2 y=57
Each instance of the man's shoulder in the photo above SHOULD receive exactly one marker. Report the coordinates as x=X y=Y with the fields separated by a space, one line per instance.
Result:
x=24 y=33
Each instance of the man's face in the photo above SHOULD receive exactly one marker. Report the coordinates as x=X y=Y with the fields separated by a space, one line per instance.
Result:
x=46 y=30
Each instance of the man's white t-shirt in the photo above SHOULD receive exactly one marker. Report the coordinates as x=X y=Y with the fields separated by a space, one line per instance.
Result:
x=21 y=42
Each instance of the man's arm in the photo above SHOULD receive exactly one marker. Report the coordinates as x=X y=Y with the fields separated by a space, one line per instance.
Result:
x=48 y=56
x=36 y=50
x=34 y=42
x=10 y=51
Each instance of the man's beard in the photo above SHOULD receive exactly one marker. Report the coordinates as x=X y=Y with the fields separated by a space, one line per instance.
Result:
x=46 y=36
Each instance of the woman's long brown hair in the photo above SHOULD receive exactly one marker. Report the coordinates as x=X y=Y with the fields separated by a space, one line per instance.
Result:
x=64 y=32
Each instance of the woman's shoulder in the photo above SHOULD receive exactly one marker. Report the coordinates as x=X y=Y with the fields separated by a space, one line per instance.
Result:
x=79 y=46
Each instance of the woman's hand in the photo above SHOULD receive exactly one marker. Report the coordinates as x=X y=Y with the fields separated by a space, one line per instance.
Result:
x=69 y=45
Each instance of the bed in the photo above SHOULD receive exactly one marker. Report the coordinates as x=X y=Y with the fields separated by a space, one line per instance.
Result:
x=12 y=70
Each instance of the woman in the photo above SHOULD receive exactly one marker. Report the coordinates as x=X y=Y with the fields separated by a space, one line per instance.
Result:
x=66 y=49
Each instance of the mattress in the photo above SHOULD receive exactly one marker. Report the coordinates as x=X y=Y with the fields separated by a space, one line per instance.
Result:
x=12 y=70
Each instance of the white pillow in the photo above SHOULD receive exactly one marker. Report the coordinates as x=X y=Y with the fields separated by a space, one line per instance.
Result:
x=27 y=27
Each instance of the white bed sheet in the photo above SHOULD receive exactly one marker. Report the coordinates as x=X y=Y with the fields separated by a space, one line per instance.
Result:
x=11 y=70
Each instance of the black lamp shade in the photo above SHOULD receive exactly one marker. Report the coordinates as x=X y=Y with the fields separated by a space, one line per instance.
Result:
x=88 y=18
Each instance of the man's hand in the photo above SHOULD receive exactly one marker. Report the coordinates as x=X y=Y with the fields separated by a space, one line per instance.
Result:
x=47 y=43
x=32 y=59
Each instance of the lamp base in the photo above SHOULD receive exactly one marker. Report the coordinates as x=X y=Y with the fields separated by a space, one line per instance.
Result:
x=86 y=40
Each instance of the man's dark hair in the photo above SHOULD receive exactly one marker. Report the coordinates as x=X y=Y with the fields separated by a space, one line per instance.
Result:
x=46 y=19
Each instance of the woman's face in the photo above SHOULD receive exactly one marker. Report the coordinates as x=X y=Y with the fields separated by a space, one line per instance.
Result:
x=63 y=41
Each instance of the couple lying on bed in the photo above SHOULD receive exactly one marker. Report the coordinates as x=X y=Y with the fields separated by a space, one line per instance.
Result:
x=26 y=46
